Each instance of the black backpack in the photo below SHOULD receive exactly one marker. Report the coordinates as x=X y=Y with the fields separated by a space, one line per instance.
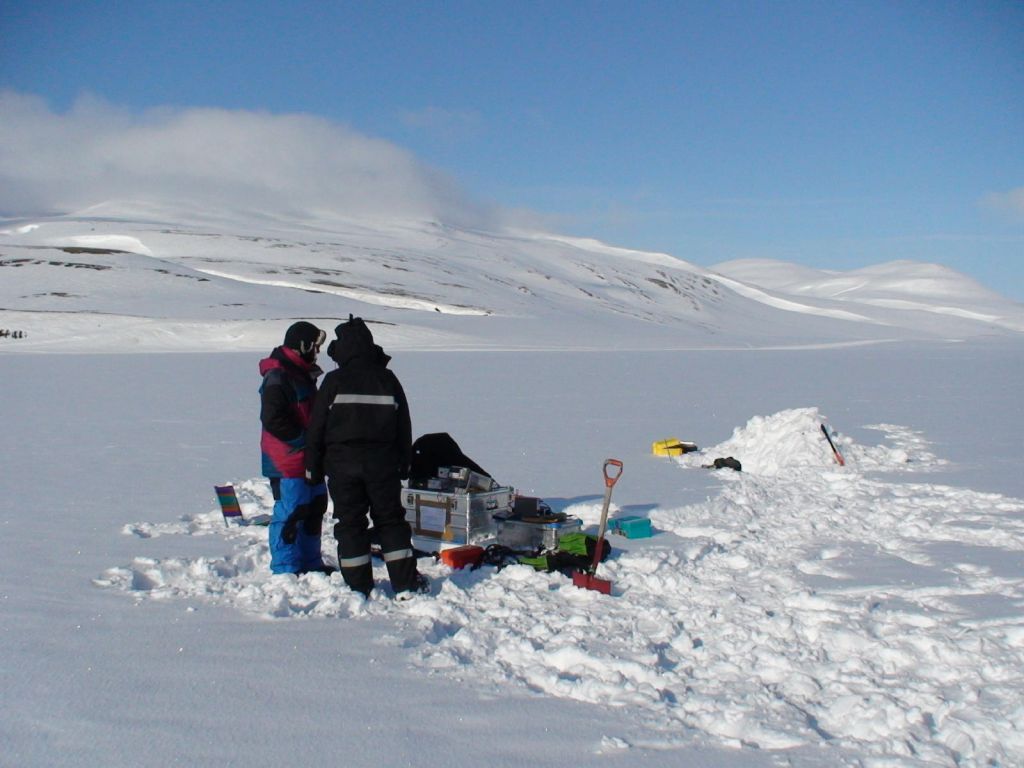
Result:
x=435 y=450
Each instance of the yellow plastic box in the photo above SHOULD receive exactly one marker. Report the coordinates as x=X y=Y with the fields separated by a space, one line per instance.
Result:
x=673 y=446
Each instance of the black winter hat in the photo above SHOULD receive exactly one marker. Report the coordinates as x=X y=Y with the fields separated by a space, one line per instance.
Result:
x=353 y=337
x=354 y=331
x=304 y=337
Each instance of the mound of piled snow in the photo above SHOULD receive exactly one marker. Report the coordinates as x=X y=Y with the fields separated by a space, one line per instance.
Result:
x=788 y=440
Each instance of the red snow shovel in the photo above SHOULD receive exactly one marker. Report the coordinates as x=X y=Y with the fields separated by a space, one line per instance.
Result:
x=586 y=579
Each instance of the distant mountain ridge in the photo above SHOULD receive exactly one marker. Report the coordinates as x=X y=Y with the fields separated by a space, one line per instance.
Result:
x=895 y=278
x=142 y=277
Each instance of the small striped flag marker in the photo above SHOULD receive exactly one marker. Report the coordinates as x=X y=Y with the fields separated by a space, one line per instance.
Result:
x=228 y=502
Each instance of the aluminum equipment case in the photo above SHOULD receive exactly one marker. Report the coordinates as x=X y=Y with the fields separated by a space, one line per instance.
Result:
x=526 y=536
x=459 y=517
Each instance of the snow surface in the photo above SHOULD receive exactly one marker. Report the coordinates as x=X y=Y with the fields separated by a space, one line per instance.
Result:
x=795 y=613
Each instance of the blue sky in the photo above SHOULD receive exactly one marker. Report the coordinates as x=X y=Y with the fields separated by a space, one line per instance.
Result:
x=833 y=134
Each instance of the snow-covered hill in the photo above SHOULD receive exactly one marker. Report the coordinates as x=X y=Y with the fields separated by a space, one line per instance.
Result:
x=906 y=287
x=146 y=277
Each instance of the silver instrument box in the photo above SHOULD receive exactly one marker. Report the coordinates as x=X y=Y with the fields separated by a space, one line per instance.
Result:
x=459 y=517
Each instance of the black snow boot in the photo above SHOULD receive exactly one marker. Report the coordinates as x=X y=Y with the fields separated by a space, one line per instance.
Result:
x=420 y=586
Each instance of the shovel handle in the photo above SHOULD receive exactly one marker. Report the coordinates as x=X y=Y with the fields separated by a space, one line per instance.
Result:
x=610 y=480
x=835 y=451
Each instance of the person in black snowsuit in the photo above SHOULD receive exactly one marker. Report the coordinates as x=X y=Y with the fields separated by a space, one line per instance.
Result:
x=360 y=436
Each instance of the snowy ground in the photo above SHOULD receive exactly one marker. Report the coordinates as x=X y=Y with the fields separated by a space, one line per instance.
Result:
x=796 y=613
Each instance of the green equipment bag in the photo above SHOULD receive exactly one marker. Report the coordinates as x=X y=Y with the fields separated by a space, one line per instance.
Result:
x=575 y=551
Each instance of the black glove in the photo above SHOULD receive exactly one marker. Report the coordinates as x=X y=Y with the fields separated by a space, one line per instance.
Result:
x=314 y=518
x=313 y=525
x=314 y=478
x=310 y=515
x=290 y=530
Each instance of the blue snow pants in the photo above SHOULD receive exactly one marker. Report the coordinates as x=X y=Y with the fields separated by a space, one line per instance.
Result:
x=298 y=515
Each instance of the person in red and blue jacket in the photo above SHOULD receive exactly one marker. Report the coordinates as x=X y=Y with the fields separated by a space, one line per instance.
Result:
x=286 y=401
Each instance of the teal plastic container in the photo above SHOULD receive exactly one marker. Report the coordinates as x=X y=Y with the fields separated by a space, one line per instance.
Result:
x=632 y=527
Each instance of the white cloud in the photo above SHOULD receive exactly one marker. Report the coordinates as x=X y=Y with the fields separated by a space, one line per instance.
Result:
x=1011 y=202
x=290 y=164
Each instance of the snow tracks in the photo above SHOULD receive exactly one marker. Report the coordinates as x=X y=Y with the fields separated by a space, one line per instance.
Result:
x=847 y=614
